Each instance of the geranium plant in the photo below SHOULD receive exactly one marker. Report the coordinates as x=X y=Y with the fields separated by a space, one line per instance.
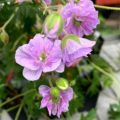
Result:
x=44 y=42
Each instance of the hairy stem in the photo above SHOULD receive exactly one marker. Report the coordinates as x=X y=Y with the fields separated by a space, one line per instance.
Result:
x=107 y=7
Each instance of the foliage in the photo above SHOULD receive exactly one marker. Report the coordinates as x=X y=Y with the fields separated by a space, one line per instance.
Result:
x=114 y=112
x=91 y=115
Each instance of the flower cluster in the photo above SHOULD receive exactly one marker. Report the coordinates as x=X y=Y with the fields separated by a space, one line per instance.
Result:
x=62 y=44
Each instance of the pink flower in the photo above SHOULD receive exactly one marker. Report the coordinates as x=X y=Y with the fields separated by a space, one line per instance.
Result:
x=55 y=107
x=48 y=2
x=75 y=48
x=39 y=55
x=80 y=18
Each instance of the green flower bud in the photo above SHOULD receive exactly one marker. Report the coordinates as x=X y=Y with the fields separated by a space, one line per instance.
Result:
x=69 y=37
x=62 y=84
x=55 y=93
x=55 y=23
x=4 y=36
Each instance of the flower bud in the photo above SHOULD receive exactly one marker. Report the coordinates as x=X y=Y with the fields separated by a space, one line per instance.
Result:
x=4 y=37
x=68 y=38
x=62 y=84
x=55 y=93
x=53 y=25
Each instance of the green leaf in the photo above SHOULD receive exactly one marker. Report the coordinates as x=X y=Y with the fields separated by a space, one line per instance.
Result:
x=90 y=116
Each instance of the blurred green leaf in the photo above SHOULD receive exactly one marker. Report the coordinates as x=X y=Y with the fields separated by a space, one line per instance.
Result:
x=90 y=115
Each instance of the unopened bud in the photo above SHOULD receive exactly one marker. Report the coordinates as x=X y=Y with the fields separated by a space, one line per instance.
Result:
x=53 y=25
x=4 y=36
x=62 y=84
x=68 y=38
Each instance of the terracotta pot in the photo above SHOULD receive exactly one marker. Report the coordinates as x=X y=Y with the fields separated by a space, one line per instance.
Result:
x=108 y=2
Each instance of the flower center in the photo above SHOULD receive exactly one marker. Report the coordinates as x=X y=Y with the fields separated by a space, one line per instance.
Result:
x=77 y=23
x=42 y=56
x=76 y=1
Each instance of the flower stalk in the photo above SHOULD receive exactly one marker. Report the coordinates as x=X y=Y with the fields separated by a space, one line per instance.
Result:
x=19 y=111
x=9 y=20
x=107 y=8
x=17 y=96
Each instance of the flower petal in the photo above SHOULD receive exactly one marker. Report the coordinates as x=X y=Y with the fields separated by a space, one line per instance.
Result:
x=24 y=58
x=44 y=101
x=87 y=43
x=54 y=58
x=44 y=90
x=61 y=68
x=32 y=75
x=50 y=107
x=54 y=109
x=37 y=43
x=72 y=46
x=67 y=94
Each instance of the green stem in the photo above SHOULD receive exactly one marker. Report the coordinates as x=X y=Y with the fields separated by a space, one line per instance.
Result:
x=17 y=96
x=50 y=83
x=105 y=73
x=107 y=7
x=8 y=21
x=12 y=108
x=19 y=111
x=17 y=41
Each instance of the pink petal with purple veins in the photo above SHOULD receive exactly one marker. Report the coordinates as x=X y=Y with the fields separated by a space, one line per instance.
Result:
x=45 y=101
x=50 y=107
x=54 y=109
x=24 y=58
x=87 y=43
x=72 y=46
x=32 y=75
x=44 y=90
x=54 y=58
x=67 y=94
x=61 y=68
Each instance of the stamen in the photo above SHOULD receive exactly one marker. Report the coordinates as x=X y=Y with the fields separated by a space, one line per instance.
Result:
x=42 y=56
x=76 y=23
